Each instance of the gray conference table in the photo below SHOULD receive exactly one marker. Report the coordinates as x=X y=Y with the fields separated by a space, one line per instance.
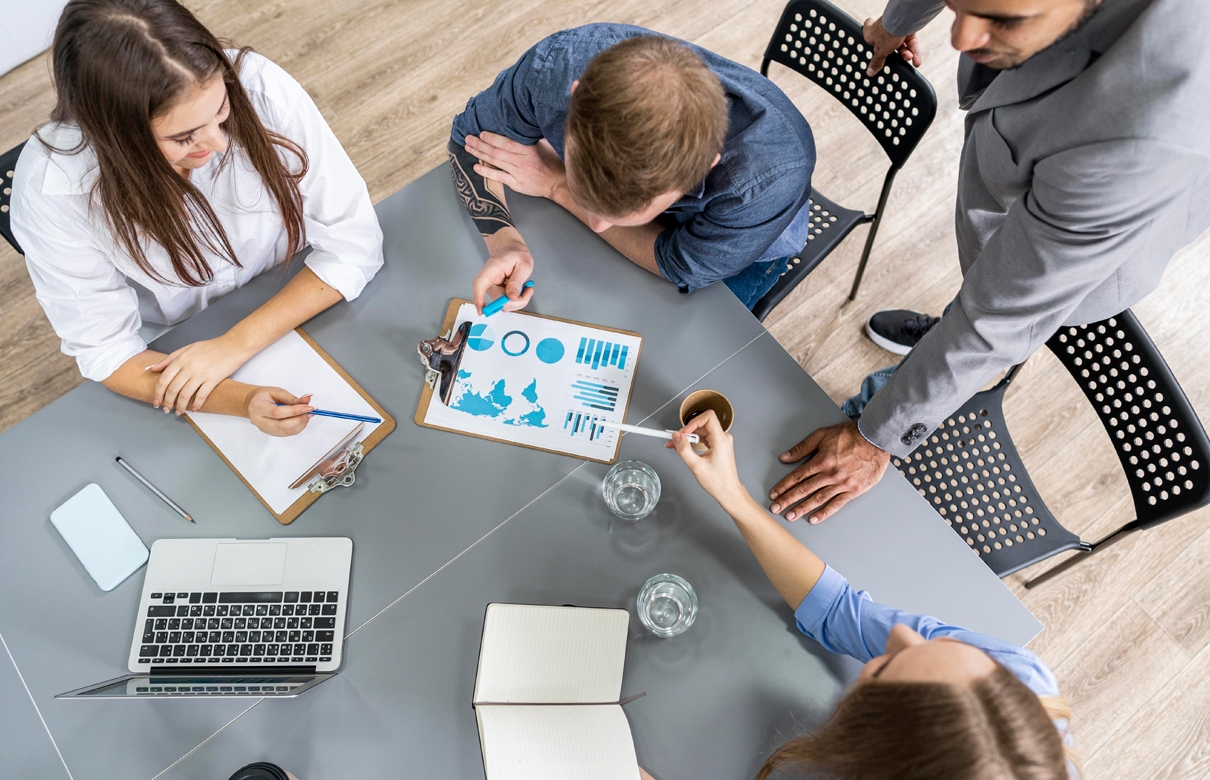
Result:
x=519 y=525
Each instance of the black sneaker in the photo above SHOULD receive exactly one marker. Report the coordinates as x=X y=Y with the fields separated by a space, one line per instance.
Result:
x=898 y=330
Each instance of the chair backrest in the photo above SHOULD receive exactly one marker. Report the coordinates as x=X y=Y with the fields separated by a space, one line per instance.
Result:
x=970 y=472
x=8 y=163
x=1155 y=431
x=825 y=44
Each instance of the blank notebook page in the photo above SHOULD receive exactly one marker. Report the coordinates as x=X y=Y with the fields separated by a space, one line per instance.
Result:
x=556 y=655
x=271 y=463
x=557 y=743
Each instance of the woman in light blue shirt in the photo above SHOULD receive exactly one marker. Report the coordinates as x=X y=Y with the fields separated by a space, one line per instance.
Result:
x=934 y=701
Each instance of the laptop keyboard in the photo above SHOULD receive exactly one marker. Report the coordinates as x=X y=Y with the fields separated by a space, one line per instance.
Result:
x=266 y=627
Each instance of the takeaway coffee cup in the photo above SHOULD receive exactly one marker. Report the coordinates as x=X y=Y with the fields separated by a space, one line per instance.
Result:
x=701 y=400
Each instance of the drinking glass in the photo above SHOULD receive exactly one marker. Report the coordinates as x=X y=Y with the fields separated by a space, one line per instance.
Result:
x=667 y=605
x=631 y=490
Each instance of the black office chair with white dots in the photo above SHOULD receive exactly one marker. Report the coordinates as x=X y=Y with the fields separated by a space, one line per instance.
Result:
x=8 y=162
x=825 y=44
x=970 y=472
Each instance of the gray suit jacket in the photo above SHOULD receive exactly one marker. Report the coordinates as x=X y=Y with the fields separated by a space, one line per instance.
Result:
x=1082 y=172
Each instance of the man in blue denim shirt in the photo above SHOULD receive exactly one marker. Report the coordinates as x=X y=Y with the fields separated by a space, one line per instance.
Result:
x=738 y=220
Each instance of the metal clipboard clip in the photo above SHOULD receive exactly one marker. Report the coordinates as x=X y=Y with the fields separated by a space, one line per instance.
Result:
x=336 y=469
x=442 y=358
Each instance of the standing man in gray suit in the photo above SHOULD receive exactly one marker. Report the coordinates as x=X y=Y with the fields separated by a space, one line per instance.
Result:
x=1086 y=165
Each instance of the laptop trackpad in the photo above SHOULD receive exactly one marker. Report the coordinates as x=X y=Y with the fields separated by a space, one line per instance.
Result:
x=249 y=564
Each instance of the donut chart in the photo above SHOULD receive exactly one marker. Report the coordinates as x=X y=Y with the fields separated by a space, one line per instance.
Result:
x=514 y=343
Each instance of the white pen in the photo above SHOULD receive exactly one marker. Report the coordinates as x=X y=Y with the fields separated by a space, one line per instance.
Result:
x=692 y=438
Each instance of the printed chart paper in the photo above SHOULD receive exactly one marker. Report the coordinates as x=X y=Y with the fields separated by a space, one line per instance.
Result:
x=541 y=383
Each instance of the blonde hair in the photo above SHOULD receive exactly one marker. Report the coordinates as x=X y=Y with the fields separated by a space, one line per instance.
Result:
x=994 y=729
x=647 y=117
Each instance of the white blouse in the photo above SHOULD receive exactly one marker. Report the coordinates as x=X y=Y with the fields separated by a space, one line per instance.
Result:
x=91 y=289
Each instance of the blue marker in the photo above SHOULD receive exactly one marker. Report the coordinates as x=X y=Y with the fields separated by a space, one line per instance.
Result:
x=498 y=304
x=341 y=415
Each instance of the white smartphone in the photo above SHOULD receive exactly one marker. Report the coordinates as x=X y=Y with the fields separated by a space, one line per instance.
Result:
x=100 y=537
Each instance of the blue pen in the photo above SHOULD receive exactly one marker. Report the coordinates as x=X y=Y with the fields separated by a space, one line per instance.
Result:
x=498 y=304
x=341 y=415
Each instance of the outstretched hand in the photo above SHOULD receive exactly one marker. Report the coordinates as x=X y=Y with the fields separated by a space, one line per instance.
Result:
x=885 y=44
x=841 y=465
x=715 y=469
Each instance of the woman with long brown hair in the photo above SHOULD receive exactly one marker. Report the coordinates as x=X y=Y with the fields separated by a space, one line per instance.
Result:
x=933 y=702
x=173 y=171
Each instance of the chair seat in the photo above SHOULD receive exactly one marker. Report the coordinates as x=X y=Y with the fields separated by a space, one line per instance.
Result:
x=830 y=224
x=970 y=472
x=8 y=161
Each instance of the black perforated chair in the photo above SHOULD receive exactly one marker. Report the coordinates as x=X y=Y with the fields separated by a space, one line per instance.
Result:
x=825 y=44
x=8 y=162
x=970 y=472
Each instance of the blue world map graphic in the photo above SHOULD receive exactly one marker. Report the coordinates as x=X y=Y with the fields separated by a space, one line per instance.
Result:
x=495 y=403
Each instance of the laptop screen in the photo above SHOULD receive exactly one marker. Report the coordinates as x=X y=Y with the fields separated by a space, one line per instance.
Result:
x=221 y=685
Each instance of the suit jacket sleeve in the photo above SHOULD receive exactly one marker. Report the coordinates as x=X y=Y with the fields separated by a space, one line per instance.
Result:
x=904 y=17
x=1089 y=209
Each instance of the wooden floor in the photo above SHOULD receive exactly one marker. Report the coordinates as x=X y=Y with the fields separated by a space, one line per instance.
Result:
x=1128 y=633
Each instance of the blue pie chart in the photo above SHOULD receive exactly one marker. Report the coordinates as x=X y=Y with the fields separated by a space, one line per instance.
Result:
x=481 y=338
x=549 y=350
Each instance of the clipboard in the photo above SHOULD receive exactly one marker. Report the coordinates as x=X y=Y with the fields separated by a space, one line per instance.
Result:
x=341 y=464
x=428 y=392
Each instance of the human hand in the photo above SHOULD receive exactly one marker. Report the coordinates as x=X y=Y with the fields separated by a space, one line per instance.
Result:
x=530 y=170
x=505 y=271
x=188 y=375
x=715 y=469
x=263 y=411
x=842 y=465
x=884 y=44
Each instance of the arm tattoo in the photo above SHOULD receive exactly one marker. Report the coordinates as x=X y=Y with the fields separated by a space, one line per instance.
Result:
x=488 y=210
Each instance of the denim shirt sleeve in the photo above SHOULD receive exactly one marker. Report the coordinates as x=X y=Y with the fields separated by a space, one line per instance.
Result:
x=849 y=622
x=732 y=232
x=507 y=107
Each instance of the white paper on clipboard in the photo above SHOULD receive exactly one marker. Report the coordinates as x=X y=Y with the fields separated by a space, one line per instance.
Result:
x=271 y=463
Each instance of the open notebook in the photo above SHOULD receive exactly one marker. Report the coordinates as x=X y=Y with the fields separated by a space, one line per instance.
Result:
x=547 y=694
x=269 y=465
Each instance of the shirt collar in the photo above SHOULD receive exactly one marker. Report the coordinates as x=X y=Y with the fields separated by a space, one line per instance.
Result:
x=692 y=195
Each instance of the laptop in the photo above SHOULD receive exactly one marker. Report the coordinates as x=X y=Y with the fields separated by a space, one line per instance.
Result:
x=230 y=617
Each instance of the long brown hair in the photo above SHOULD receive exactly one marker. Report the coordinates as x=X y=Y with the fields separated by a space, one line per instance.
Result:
x=993 y=729
x=118 y=64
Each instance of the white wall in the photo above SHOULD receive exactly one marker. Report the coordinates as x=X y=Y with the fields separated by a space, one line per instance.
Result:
x=26 y=28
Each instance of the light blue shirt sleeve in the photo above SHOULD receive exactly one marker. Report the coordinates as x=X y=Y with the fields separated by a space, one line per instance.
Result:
x=849 y=622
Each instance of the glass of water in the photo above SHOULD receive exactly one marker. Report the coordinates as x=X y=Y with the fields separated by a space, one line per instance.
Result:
x=631 y=490
x=667 y=605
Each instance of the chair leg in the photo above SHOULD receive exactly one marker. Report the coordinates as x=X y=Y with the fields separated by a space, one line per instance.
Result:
x=1085 y=547
x=869 y=241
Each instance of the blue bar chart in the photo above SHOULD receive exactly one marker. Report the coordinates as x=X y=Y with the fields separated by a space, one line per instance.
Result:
x=594 y=395
x=597 y=353
x=583 y=426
